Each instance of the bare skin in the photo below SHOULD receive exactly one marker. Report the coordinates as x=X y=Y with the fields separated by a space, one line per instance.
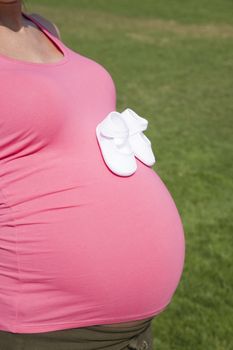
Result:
x=22 y=40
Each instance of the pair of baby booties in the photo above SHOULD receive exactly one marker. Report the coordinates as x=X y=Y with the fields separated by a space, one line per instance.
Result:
x=121 y=139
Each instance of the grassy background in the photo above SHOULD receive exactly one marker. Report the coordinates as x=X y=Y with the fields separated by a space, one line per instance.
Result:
x=172 y=61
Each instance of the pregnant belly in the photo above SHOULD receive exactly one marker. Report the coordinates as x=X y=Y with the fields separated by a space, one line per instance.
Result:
x=114 y=249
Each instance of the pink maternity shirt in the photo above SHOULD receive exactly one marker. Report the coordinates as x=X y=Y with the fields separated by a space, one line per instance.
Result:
x=79 y=245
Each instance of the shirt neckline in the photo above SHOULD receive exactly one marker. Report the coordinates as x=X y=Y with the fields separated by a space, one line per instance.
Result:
x=57 y=42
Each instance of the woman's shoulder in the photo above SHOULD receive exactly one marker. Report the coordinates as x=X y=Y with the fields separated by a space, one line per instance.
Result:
x=49 y=25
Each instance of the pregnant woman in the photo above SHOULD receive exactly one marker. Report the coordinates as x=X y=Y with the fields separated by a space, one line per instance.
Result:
x=88 y=255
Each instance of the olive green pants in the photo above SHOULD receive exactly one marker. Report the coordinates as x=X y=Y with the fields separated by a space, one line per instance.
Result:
x=98 y=337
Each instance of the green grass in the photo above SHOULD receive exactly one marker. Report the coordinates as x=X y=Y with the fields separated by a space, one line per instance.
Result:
x=172 y=61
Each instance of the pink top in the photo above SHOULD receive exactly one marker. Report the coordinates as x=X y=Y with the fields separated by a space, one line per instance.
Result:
x=79 y=245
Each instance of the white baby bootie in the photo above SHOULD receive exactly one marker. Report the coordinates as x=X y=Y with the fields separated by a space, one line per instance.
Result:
x=140 y=144
x=113 y=138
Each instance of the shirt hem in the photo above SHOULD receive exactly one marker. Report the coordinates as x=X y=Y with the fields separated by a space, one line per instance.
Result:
x=88 y=323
